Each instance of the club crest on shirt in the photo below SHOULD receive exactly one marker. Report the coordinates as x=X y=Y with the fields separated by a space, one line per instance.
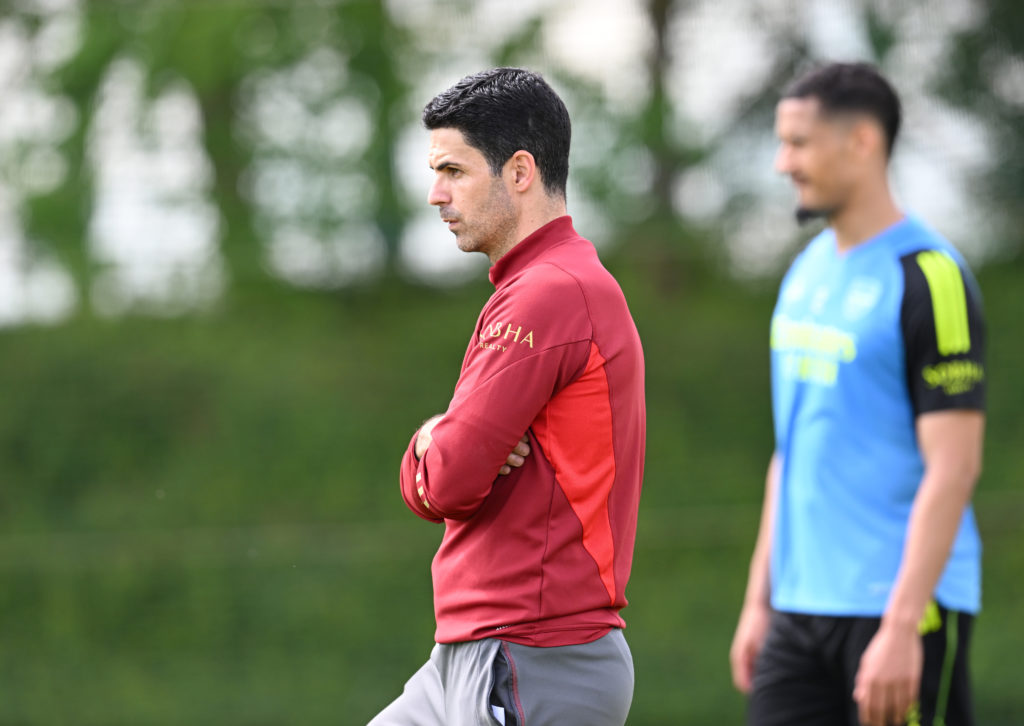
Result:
x=794 y=291
x=821 y=295
x=862 y=295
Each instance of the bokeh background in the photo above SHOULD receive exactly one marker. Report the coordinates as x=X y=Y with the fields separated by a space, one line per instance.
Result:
x=225 y=306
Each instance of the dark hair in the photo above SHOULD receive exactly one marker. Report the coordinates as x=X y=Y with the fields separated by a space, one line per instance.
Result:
x=503 y=110
x=852 y=87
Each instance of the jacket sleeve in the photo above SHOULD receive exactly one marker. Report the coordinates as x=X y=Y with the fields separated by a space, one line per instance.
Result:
x=532 y=341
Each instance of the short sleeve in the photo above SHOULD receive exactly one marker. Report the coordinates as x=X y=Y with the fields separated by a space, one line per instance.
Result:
x=943 y=333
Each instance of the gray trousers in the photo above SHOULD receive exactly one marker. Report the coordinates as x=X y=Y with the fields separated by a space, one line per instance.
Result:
x=488 y=682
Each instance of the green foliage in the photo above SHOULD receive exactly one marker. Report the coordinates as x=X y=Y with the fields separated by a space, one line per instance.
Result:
x=202 y=524
x=982 y=76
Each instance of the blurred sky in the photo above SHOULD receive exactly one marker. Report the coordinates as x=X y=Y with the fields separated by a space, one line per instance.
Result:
x=154 y=229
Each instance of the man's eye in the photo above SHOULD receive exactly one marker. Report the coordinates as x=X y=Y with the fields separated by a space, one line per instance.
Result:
x=453 y=172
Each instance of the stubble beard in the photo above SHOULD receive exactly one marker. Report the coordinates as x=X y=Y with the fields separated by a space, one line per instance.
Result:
x=495 y=225
x=826 y=209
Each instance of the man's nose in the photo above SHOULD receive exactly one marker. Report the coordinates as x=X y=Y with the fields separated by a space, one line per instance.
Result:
x=438 y=194
x=783 y=161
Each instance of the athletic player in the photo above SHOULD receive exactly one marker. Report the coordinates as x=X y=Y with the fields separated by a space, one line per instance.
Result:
x=535 y=468
x=865 y=576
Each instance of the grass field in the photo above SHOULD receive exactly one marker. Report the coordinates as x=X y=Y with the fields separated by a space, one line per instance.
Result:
x=201 y=522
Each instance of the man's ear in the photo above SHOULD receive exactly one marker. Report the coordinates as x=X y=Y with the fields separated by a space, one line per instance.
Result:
x=868 y=138
x=521 y=169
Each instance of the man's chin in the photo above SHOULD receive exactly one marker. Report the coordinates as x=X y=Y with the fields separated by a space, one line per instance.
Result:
x=466 y=245
x=808 y=214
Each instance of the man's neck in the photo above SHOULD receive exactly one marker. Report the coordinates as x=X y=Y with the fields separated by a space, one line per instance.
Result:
x=864 y=217
x=529 y=222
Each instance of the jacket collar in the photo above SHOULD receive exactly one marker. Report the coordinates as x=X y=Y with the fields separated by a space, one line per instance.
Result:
x=530 y=248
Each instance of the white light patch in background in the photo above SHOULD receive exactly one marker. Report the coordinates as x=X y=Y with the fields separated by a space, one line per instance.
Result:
x=836 y=30
x=153 y=228
x=588 y=218
x=352 y=252
x=32 y=122
x=940 y=153
x=699 y=194
x=765 y=232
x=60 y=33
x=939 y=194
x=1008 y=78
x=456 y=27
x=32 y=289
x=604 y=41
x=760 y=232
x=715 y=62
x=429 y=253
x=935 y=170
x=300 y=109
x=495 y=21
x=412 y=166
x=313 y=206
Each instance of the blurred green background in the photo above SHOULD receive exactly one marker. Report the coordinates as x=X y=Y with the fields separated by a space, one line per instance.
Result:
x=226 y=306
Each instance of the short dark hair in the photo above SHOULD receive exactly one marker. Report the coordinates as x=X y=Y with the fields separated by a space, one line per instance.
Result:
x=503 y=110
x=852 y=87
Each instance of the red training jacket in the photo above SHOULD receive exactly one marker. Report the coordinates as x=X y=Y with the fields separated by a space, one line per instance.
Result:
x=541 y=556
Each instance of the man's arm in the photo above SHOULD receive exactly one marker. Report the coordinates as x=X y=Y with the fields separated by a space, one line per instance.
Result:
x=756 y=613
x=889 y=677
x=423 y=436
x=526 y=354
x=944 y=338
x=515 y=459
x=419 y=446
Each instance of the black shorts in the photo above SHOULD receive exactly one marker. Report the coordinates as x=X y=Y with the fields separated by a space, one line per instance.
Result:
x=804 y=675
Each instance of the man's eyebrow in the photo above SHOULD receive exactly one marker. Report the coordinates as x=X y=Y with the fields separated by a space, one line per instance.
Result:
x=442 y=166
